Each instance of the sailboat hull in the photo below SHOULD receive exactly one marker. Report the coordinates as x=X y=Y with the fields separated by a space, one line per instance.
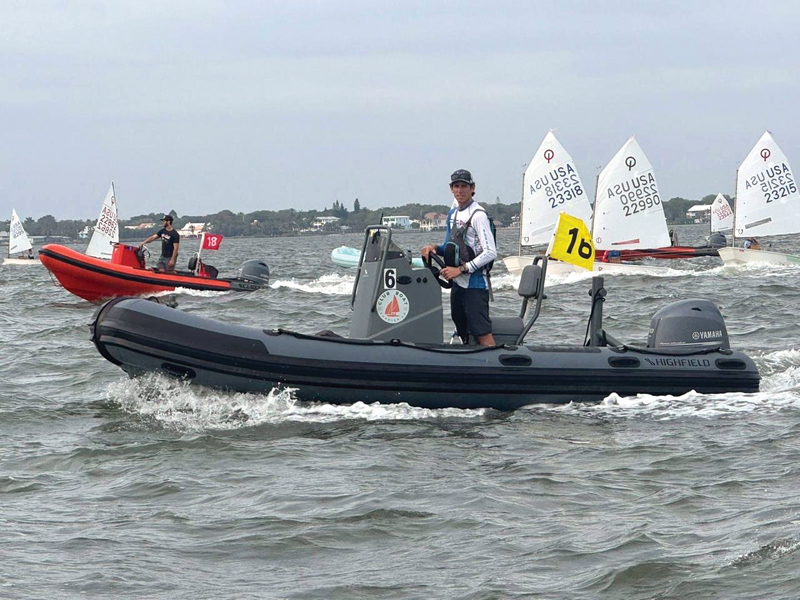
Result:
x=741 y=256
x=669 y=252
x=21 y=261
x=516 y=264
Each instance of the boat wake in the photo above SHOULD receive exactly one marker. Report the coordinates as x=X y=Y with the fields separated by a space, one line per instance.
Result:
x=510 y=281
x=780 y=390
x=759 y=269
x=333 y=284
x=187 y=292
x=176 y=405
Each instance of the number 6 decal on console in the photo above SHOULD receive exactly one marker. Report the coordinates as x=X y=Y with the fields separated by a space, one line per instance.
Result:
x=389 y=279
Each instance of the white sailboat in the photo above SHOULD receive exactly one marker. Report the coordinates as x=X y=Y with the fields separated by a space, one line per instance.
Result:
x=18 y=244
x=628 y=215
x=550 y=185
x=106 y=232
x=721 y=214
x=767 y=203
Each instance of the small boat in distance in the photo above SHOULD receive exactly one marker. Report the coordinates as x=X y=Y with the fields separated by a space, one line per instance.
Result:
x=106 y=232
x=95 y=279
x=767 y=203
x=721 y=215
x=720 y=220
x=347 y=257
x=18 y=244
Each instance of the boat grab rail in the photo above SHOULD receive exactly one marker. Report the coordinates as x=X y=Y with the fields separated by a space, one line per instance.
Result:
x=444 y=348
x=537 y=281
x=371 y=233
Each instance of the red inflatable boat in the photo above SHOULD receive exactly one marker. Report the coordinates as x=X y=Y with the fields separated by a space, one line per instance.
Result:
x=94 y=279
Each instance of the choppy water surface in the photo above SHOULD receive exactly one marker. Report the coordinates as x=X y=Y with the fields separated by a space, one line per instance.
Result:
x=117 y=488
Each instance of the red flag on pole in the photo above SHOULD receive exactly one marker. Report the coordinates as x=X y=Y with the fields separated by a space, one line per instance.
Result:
x=211 y=241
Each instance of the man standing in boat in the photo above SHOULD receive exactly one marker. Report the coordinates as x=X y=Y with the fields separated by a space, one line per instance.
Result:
x=469 y=296
x=170 y=242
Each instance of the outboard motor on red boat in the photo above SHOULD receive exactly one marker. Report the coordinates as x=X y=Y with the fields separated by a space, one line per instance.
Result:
x=717 y=240
x=686 y=324
x=254 y=271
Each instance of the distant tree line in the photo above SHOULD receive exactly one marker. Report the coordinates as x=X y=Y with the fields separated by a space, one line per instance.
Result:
x=287 y=222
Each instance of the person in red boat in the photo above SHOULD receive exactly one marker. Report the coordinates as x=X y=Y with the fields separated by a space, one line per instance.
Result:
x=170 y=243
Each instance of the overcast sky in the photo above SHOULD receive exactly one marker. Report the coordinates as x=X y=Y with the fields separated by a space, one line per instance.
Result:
x=198 y=105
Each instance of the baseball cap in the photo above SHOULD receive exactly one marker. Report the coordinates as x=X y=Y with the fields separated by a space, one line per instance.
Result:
x=461 y=175
x=167 y=218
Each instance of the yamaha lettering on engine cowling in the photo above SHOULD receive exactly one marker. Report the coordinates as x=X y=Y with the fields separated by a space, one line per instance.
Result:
x=688 y=323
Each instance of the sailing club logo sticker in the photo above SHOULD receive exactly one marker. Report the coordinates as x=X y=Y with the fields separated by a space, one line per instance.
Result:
x=630 y=162
x=548 y=155
x=392 y=306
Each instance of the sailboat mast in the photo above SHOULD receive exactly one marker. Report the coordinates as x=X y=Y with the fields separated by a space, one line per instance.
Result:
x=594 y=203
x=521 y=212
x=735 y=202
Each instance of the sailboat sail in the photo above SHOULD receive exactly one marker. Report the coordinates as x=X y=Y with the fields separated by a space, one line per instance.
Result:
x=629 y=213
x=721 y=214
x=551 y=186
x=18 y=240
x=767 y=198
x=106 y=232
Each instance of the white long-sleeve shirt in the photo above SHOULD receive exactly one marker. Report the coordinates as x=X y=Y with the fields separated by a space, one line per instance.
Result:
x=479 y=237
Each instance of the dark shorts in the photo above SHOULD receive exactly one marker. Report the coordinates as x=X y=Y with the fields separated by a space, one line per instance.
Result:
x=470 y=310
x=163 y=263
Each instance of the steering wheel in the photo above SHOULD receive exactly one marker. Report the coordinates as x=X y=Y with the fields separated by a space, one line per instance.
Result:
x=436 y=263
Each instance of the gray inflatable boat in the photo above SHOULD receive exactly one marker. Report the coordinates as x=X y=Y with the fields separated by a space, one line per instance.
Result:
x=395 y=352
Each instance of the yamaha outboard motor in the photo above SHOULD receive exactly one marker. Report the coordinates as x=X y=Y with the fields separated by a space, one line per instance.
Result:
x=686 y=324
x=254 y=271
x=717 y=240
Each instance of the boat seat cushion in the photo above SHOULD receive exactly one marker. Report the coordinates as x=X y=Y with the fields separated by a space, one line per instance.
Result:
x=530 y=283
x=506 y=330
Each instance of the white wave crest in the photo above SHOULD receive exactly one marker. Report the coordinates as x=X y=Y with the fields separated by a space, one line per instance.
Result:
x=188 y=292
x=691 y=404
x=760 y=270
x=333 y=284
x=178 y=405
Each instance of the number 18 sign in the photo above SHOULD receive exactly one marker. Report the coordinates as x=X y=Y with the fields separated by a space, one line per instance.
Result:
x=211 y=241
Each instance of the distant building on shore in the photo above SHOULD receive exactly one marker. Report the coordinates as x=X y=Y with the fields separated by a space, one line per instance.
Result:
x=397 y=222
x=320 y=223
x=433 y=221
x=140 y=226
x=192 y=230
x=699 y=213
